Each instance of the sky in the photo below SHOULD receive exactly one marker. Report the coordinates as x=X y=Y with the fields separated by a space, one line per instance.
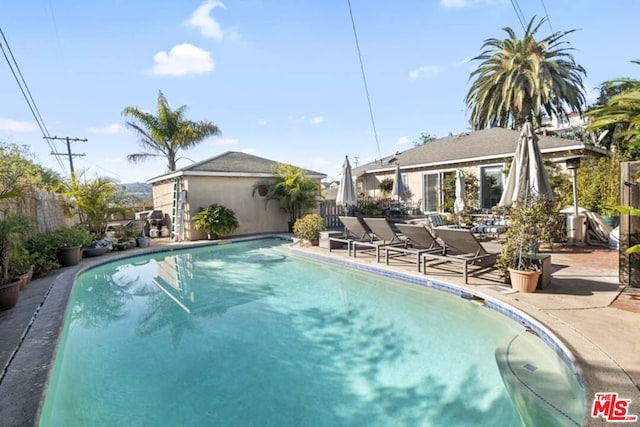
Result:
x=281 y=79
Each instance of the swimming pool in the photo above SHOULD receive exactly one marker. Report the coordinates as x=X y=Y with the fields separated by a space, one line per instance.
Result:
x=246 y=334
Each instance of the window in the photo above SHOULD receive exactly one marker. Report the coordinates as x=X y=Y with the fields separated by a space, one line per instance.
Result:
x=491 y=186
x=431 y=196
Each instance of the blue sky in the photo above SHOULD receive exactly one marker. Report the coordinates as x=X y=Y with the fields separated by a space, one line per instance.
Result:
x=281 y=79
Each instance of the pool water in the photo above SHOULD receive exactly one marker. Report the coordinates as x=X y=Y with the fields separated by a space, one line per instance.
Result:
x=247 y=335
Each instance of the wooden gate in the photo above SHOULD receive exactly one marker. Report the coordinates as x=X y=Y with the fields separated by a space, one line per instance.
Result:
x=629 y=225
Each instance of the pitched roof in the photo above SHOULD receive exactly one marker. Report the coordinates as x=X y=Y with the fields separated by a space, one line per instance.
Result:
x=494 y=143
x=231 y=163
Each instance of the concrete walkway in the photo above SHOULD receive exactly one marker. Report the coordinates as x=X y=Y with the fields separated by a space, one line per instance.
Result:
x=584 y=306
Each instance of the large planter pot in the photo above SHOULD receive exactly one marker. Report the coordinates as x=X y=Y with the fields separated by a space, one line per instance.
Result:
x=91 y=252
x=68 y=256
x=524 y=280
x=9 y=294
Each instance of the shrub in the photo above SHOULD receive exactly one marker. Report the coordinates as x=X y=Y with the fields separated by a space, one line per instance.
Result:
x=216 y=220
x=309 y=227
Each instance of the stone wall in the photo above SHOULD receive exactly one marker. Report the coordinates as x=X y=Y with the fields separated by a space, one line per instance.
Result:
x=46 y=208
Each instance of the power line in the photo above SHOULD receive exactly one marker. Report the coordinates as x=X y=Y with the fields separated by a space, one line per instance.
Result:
x=28 y=97
x=544 y=6
x=364 y=79
x=519 y=14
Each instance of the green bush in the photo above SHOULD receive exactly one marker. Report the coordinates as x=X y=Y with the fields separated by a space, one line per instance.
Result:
x=74 y=236
x=309 y=227
x=216 y=220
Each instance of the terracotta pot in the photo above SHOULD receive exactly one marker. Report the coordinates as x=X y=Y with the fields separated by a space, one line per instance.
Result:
x=69 y=255
x=9 y=294
x=24 y=279
x=524 y=280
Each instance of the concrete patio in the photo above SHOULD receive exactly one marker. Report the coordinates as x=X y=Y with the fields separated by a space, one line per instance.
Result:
x=584 y=306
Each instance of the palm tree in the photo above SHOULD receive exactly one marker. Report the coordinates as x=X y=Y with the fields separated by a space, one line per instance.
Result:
x=519 y=76
x=618 y=112
x=166 y=133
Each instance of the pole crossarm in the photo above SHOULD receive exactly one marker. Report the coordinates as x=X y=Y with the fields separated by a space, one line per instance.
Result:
x=69 y=154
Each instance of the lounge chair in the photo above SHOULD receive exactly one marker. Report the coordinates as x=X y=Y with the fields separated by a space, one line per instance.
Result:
x=365 y=238
x=354 y=231
x=420 y=240
x=382 y=230
x=461 y=246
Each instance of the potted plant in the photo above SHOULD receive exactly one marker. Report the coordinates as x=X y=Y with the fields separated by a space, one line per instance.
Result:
x=20 y=264
x=309 y=227
x=529 y=224
x=70 y=243
x=216 y=220
x=11 y=228
x=295 y=192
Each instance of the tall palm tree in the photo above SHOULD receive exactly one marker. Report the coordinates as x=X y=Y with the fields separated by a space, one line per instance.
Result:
x=618 y=111
x=166 y=133
x=518 y=77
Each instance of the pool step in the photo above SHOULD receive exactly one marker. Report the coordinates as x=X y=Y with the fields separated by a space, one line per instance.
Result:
x=539 y=383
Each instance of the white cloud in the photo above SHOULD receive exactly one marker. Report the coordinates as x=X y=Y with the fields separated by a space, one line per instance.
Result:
x=226 y=141
x=403 y=140
x=183 y=60
x=109 y=129
x=249 y=151
x=424 y=71
x=317 y=120
x=16 y=125
x=207 y=25
x=262 y=122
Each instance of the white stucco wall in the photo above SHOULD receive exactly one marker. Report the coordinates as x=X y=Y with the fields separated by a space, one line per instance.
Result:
x=252 y=211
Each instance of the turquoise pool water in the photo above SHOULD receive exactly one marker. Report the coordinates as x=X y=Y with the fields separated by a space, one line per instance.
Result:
x=246 y=335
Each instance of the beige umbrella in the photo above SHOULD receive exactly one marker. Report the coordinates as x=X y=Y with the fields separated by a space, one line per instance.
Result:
x=346 y=190
x=459 y=204
x=398 y=189
x=527 y=175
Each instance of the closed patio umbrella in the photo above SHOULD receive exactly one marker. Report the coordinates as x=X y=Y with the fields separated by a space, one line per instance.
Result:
x=346 y=190
x=527 y=175
x=398 y=189
x=459 y=204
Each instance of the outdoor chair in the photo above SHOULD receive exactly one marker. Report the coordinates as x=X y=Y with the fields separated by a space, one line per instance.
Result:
x=492 y=227
x=354 y=232
x=437 y=221
x=420 y=240
x=382 y=230
x=462 y=247
x=383 y=234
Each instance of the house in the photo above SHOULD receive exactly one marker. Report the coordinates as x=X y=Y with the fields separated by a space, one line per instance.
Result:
x=484 y=153
x=232 y=179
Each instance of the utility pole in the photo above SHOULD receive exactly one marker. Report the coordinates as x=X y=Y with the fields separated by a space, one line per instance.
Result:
x=68 y=153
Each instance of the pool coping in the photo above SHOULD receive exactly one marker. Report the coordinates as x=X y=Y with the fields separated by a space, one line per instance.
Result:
x=30 y=367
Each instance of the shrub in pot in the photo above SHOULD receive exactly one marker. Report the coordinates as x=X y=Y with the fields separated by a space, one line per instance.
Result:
x=70 y=243
x=309 y=227
x=216 y=220
x=12 y=228
x=530 y=223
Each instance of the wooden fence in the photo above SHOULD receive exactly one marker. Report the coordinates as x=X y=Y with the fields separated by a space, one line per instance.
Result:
x=329 y=211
